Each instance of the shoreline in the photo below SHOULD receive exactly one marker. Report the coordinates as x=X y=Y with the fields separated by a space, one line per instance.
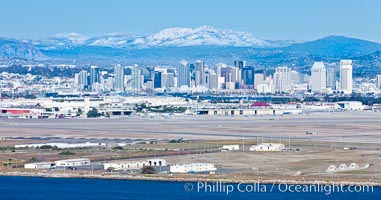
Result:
x=187 y=179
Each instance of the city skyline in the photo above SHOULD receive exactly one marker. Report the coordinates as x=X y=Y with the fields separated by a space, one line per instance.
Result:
x=318 y=19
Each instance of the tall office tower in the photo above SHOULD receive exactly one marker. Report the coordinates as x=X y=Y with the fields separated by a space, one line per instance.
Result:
x=94 y=75
x=259 y=77
x=76 y=79
x=346 y=76
x=197 y=78
x=118 y=78
x=239 y=64
x=199 y=73
x=331 y=76
x=164 y=77
x=213 y=81
x=294 y=77
x=199 y=66
x=136 y=78
x=82 y=80
x=226 y=73
x=248 y=77
x=318 y=77
x=170 y=80
x=379 y=81
x=157 y=79
x=282 y=79
x=183 y=74
x=220 y=66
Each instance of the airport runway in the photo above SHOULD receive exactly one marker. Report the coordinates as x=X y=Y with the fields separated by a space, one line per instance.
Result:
x=343 y=127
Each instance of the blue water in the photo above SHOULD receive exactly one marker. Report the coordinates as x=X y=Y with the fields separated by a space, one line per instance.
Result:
x=74 y=188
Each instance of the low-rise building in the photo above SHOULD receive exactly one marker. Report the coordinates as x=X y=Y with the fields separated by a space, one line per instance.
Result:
x=131 y=165
x=268 y=147
x=230 y=147
x=192 y=168
x=72 y=162
x=351 y=105
x=40 y=165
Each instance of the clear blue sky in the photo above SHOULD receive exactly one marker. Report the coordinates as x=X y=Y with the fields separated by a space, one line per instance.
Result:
x=273 y=19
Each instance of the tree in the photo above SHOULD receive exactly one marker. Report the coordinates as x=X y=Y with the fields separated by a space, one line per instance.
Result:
x=93 y=113
x=148 y=170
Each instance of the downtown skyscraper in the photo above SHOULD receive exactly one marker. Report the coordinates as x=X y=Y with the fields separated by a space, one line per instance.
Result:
x=183 y=73
x=118 y=78
x=346 y=84
x=318 y=77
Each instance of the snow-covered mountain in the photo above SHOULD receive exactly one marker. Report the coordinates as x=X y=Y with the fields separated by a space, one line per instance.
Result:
x=170 y=37
x=65 y=40
x=204 y=35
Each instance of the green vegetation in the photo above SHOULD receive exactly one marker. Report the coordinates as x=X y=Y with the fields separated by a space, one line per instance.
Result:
x=33 y=159
x=118 y=148
x=67 y=153
x=178 y=140
x=48 y=147
x=167 y=109
x=93 y=113
x=148 y=170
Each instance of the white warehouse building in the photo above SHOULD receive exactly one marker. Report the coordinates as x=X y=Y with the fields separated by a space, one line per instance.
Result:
x=40 y=165
x=127 y=165
x=72 y=162
x=192 y=168
x=230 y=147
x=268 y=147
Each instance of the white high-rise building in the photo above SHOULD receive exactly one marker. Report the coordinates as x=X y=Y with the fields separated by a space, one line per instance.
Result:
x=282 y=79
x=346 y=76
x=183 y=74
x=213 y=81
x=318 y=77
x=259 y=77
x=379 y=81
x=118 y=78
x=136 y=78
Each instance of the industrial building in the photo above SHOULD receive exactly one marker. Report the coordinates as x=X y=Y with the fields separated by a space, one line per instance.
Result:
x=72 y=162
x=193 y=168
x=230 y=147
x=40 y=165
x=268 y=147
x=130 y=165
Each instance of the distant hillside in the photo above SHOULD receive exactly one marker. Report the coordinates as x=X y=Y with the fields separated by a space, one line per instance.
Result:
x=336 y=46
x=10 y=48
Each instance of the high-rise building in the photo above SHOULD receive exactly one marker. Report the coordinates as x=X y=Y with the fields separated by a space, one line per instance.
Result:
x=240 y=64
x=248 y=77
x=318 y=77
x=294 y=77
x=94 y=75
x=379 y=81
x=282 y=79
x=136 y=78
x=213 y=81
x=183 y=74
x=346 y=76
x=331 y=76
x=157 y=79
x=259 y=77
x=83 y=79
x=118 y=78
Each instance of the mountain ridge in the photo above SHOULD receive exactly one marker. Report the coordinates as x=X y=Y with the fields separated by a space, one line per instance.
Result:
x=201 y=38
